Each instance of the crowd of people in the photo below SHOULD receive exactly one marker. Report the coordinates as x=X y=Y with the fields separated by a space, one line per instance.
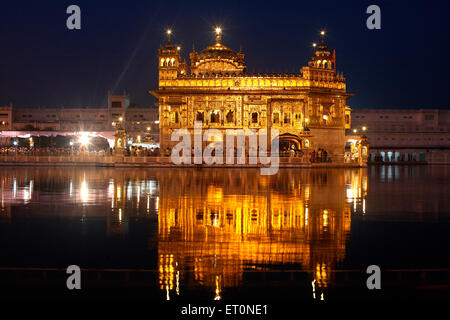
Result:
x=291 y=152
x=141 y=151
x=321 y=155
x=52 y=151
x=49 y=151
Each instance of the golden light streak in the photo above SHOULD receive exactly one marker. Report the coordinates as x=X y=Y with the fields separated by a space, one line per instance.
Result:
x=84 y=191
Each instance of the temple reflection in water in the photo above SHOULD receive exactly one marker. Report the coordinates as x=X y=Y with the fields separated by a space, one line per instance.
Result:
x=213 y=225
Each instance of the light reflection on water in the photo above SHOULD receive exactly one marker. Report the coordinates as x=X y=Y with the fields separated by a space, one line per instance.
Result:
x=214 y=225
x=228 y=222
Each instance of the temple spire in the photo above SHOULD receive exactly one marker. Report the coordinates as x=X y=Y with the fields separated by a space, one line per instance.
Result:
x=218 y=31
x=322 y=33
x=169 y=33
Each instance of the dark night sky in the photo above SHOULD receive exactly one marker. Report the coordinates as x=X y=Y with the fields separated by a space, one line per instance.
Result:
x=42 y=63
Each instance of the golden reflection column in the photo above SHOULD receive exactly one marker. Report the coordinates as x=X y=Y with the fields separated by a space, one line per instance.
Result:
x=269 y=126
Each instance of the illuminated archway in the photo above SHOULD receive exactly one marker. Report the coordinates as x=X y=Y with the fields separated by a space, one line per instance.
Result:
x=289 y=141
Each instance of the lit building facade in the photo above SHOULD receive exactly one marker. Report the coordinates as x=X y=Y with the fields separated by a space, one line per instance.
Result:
x=308 y=108
x=401 y=135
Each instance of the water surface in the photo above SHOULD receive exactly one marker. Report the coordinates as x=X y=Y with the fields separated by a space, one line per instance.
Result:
x=221 y=233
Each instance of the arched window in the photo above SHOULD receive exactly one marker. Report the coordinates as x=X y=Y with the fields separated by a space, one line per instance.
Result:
x=287 y=117
x=255 y=117
x=200 y=116
x=230 y=116
x=276 y=118
x=175 y=117
x=215 y=116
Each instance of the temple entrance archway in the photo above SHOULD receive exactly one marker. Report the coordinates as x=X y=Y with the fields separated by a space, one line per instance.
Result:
x=289 y=142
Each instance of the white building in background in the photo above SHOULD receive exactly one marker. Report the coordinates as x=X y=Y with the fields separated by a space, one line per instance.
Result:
x=396 y=135
x=6 y=118
x=138 y=121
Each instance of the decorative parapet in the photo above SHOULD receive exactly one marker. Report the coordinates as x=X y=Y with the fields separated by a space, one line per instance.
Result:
x=262 y=81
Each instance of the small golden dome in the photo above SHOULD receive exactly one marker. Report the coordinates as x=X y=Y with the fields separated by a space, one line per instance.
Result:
x=217 y=58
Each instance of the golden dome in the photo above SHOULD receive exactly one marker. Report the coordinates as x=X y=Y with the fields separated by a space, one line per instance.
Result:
x=217 y=58
x=217 y=51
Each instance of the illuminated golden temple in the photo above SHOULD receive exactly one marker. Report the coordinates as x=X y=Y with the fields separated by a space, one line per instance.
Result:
x=308 y=108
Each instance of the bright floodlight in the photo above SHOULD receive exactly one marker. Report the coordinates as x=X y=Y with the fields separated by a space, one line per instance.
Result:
x=84 y=140
x=218 y=30
x=322 y=32
x=169 y=32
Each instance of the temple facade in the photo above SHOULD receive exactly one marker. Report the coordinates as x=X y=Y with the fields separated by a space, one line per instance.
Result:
x=308 y=108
